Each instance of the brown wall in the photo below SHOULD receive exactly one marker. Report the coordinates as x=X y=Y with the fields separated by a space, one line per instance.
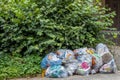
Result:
x=115 y=6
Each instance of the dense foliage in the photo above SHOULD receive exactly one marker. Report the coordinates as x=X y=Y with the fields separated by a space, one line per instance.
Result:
x=11 y=67
x=41 y=26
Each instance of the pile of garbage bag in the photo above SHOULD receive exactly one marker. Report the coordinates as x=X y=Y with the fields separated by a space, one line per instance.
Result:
x=83 y=61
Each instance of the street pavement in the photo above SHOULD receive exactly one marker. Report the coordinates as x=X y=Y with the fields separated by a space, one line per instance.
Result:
x=78 y=77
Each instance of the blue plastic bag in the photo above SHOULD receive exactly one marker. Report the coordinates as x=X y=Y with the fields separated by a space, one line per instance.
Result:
x=46 y=62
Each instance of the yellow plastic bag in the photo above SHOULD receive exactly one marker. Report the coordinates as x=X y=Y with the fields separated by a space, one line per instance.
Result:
x=43 y=73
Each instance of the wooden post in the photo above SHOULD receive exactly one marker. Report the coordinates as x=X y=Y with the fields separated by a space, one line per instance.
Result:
x=103 y=2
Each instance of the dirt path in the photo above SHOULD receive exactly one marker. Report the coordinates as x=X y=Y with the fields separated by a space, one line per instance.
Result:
x=76 y=77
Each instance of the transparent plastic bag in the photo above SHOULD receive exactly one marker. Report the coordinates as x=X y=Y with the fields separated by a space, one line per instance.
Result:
x=105 y=55
x=83 y=69
x=96 y=63
x=110 y=67
x=81 y=51
x=65 y=54
x=102 y=49
x=71 y=66
x=50 y=60
x=84 y=61
x=85 y=58
x=89 y=55
x=82 y=55
x=56 y=71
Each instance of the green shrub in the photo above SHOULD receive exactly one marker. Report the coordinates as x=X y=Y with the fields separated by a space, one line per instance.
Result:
x=15 y=66
x=41 y=26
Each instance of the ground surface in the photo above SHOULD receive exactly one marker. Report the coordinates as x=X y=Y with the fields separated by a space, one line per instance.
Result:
x=76 y=77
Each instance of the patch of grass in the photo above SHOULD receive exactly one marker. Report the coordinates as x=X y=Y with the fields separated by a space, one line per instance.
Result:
x=16 y=66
